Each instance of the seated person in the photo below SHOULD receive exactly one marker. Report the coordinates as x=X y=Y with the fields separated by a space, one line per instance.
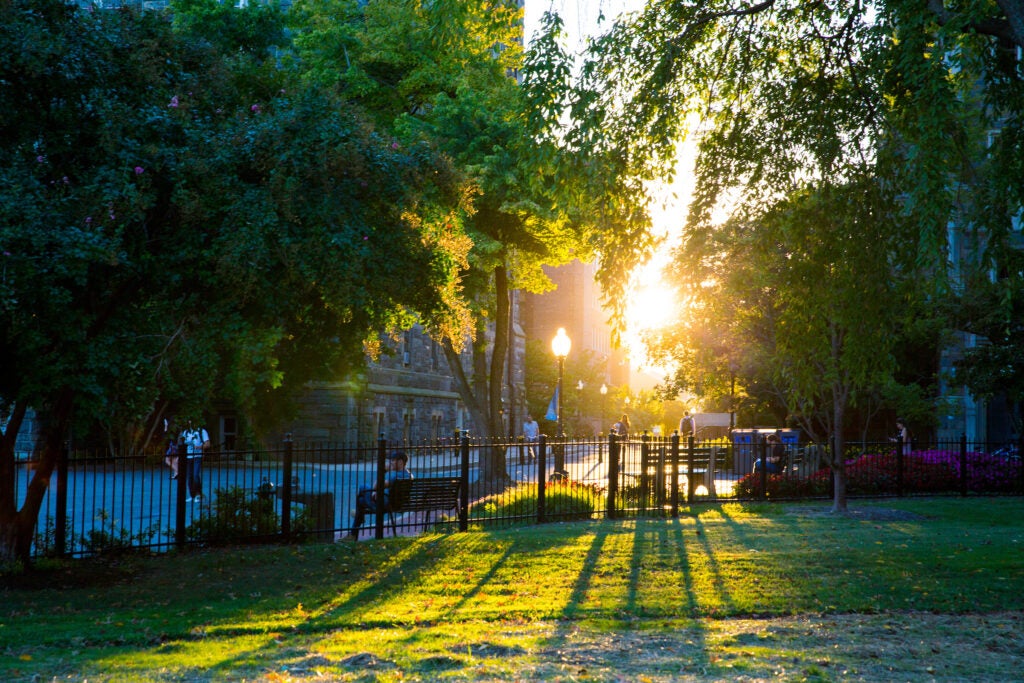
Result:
x=776 y=452
x=368 y=502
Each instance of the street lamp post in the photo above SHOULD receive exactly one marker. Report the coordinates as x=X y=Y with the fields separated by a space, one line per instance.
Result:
x=579 y=406
x=560 y=346
x=604 y=401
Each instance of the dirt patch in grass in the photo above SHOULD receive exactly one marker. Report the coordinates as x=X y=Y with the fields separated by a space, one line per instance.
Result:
x=883 y=647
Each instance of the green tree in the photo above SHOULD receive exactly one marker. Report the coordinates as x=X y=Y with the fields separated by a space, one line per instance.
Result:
x=445 y=73
x=811 y=100
x=170 y=233
x=806 y=300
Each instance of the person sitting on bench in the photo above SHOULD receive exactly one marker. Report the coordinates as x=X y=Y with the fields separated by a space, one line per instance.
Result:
x=775 y=455
x=368 y=502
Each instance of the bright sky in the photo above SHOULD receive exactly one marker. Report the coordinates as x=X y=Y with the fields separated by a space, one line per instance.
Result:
x=651 y=303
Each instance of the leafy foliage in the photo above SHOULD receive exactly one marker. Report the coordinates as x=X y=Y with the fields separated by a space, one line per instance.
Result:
x=564 y=499
x=177 y=223
x=237 y=516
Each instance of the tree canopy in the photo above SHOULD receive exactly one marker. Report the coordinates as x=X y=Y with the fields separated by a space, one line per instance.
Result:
x=454 y=74
x=178 y=221
x=841 y=139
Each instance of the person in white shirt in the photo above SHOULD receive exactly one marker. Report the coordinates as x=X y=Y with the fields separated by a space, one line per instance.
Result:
x=197 y=442
x=531 y=432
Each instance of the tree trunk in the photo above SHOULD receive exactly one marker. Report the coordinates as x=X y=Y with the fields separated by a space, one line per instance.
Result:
x=493 y=467
x=482 y=393
x=838 y=457
x=18 y=526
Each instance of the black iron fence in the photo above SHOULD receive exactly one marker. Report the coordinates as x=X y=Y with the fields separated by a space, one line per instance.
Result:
x=99 y=503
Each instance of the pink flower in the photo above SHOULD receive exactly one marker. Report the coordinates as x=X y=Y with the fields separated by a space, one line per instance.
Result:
x=255 y=109
x=394 y=145
x=174 y=102
x=139 y=170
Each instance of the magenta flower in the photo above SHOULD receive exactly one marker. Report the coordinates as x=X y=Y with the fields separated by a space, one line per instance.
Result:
x=174 y=102
x=139 y=170
x=394 y=145
x=255 y=109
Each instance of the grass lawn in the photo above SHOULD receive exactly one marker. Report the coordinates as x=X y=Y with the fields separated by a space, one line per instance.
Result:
x=902 y=590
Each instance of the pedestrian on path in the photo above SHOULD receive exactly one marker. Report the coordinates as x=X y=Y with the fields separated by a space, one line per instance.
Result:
x=197 y=442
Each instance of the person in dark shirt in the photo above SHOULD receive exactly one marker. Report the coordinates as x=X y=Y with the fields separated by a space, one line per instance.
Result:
x=368 y=502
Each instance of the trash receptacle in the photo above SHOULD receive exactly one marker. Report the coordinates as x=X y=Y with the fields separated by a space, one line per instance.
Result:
x=320 y=510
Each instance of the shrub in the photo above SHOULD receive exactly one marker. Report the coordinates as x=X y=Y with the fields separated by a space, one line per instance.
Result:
x=784 y=486
x=237 y=515
x=115 y=540
x=564 y=499
x=932 y=471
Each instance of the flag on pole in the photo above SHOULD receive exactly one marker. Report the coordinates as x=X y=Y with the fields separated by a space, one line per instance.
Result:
x=553 y=407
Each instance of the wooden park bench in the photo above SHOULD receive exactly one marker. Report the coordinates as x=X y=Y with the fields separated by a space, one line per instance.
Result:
x=424 y=496
x=658 y=475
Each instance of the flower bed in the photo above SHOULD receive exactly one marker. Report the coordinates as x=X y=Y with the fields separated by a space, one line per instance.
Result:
x=929 y=471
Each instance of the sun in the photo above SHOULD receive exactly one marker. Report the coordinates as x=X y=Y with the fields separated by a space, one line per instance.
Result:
x=652 y=305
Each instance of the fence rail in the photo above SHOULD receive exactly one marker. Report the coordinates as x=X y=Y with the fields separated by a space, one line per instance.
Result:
x=100 y=503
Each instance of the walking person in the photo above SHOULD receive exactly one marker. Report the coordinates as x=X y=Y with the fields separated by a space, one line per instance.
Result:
x=622 y=426
x=197 y=442
x=171 y=451
x=686 y=426
x=531 y=433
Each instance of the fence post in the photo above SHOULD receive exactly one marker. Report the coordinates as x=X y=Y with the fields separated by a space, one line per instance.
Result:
x=963 y=465
x=613 y=473
x=690 y=456
x=464 y=484
x=60 y=528
x=835 y=463
x=645 y=463
x=179 y=494
x=382 y=463
x=542 y=470
x=674 y=463
x=899 y=466
x=286 y=494
x=1020 y=460
x=762 y=450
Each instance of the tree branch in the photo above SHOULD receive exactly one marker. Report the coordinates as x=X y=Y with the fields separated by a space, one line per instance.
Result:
x=1009 y=30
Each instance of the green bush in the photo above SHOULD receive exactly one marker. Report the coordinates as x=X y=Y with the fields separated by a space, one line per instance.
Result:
x=112 y=540
x=236 y=517
x=564 y=499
